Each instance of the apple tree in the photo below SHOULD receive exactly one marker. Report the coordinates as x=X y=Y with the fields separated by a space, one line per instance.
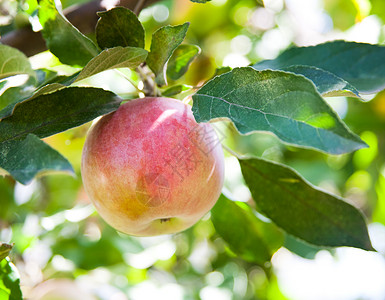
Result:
x=63 y=65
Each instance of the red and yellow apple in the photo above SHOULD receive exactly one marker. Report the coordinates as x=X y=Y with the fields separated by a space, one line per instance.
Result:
x=150 y=169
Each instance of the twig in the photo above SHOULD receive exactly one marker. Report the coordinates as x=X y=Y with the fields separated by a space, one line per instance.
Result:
x=139 y=6
x=149 y=88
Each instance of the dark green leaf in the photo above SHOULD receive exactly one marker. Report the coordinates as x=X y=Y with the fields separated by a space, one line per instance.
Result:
x=286 y=104
x=44 y=75
x=362 y=65
x=4 y=250
x=222 y=70
x=175 y=90
x=13 y=62
x=62 y=79
x=66 y=42
x=24 y=159
x=249 y=237
x=327 y=84
x=51 y=113
x=12 y=96
x=301 y=209
x=302 y=248
x=181 y=60
x=119 y=27
x=9 y=281
x=164 y=42
x=49 y=88
x=113 y=58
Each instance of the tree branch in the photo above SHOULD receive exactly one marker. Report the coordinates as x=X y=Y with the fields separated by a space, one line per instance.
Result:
x=83 y=17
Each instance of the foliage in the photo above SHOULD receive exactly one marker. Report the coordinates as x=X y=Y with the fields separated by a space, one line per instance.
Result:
x=4 y=250
x=9 y=281
x=62 y=37
x=163 y=43
x=249 y=237
x=359 y=64
x=264 y=101
x=13 y=62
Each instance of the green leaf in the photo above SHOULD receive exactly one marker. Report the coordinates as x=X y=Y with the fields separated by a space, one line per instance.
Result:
x=13 y=62
x=181 y=60
x=249 y=237
x=327 y=84
x=222 y=70
x=4 y=249
x=52 y=113
x=9 y=281
x=12 y=96
x=62 y=79
x=302 y=248
x=113 y=58
x=285 y=104
x=175 y=90
x=44 y=75
x=66 y=42
x=301 y=209
x=49 y=88
x=119 y=27
x=164 y=42
x=362 y=65
x=24 y=159
x=21 y=94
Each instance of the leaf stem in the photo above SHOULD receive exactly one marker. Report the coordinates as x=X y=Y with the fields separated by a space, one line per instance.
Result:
x=129 y=80
x=237 y=155
x=187 y=99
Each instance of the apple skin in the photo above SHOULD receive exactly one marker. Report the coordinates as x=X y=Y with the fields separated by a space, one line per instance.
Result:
x=150 y=169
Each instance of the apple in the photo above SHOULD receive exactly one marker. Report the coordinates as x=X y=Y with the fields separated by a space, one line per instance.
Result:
x=150 y=169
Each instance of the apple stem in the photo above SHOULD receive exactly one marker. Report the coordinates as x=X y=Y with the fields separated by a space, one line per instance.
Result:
x=165 y=220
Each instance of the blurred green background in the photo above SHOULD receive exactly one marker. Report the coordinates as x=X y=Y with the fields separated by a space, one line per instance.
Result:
x=64 y=250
